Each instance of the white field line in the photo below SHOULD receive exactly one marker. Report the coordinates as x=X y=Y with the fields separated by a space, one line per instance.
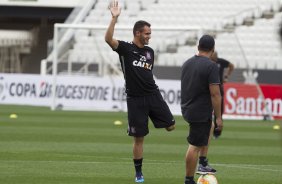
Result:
x=252 y=167
x=155 y=162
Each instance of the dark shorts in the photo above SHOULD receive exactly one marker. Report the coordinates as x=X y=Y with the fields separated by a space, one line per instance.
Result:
x=140 y=109
x=199 y=133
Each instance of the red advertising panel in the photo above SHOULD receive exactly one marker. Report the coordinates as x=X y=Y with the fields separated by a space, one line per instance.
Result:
x=273 y=95
x=251 y=101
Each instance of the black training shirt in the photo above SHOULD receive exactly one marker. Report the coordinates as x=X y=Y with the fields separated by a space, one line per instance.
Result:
x=137 y=65
x=222 y=63
x=197 y=74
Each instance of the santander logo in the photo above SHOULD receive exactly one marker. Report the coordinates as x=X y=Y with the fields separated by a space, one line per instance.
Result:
x=246 y=100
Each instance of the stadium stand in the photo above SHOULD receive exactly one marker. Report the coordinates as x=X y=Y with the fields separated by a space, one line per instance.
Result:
x=12 y=45
x=40 y=3
x=245 y=31
x=25 y=27
x=260 y=44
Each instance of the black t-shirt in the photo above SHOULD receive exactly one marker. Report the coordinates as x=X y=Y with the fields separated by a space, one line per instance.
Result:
x=137 y=65
x=222 y=64
x=197 y=74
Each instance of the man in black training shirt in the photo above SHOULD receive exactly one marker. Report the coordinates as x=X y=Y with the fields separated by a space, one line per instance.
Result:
x=200 y=95
x=143 y=96
x=222 y=64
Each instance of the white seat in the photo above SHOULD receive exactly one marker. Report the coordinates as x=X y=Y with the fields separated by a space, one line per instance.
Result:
x=209 y=14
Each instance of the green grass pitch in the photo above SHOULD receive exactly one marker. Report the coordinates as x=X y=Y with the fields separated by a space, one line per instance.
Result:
x=66 y=147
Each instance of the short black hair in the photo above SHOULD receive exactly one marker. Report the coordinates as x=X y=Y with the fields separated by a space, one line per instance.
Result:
x=206 y=43
x=139 y=26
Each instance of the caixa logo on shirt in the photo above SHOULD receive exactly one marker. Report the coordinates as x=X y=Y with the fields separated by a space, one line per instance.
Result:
x=142 y=63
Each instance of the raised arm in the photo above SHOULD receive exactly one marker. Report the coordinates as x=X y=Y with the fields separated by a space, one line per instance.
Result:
x=115 y=11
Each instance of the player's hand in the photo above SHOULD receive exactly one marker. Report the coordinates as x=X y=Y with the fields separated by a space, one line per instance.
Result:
x=225 y=79
x=114 y=8
x=219 y=124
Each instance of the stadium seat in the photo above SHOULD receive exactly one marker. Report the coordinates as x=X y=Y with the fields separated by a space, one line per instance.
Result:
x=246 y=46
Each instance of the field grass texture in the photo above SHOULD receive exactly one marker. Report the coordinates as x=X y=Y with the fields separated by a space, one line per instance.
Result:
x=69 y=147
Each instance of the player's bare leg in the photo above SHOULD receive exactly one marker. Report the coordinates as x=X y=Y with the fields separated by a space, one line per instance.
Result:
x=203 y=161
x=138 y=158
x=191 y=158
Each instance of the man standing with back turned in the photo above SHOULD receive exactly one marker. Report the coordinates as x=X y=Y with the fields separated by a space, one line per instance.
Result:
x=143 y=96
x=200 y=95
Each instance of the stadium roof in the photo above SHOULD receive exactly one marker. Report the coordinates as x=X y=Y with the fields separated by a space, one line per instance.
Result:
x=42 y=3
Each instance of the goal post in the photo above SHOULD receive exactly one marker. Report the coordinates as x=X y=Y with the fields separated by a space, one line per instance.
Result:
x=251 y=78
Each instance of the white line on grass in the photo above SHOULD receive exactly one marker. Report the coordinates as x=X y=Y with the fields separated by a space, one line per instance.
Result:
x=242 y=166
x=247 y=166
x=156 y=162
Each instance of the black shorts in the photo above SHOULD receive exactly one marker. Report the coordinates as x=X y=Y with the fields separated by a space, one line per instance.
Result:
x=141 y=108
x=199 y=133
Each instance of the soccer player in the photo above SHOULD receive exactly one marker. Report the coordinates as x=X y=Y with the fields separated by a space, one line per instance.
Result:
x=144 y=99
x=200 y=95
x=223 y=77
x=222 y=64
